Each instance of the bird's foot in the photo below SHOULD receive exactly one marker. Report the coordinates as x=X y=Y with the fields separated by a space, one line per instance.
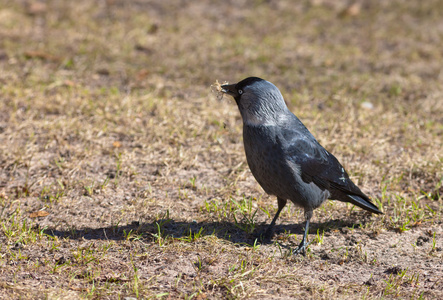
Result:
x=301 y=248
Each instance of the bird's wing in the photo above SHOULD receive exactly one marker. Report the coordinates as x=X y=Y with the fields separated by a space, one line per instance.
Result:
x=319 y=166
x=316 y=163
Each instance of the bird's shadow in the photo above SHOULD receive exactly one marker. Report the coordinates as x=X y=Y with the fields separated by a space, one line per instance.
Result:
x=239 y=233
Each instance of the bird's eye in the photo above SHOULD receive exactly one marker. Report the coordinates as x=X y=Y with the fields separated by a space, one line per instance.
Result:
x=240 y=92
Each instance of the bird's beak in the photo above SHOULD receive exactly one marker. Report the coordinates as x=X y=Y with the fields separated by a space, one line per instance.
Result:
x=230 y=90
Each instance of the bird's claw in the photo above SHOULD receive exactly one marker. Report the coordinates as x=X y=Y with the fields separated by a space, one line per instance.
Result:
x=301 y=248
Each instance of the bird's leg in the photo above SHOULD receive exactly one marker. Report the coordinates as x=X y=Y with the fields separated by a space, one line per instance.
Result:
x=304 y=244
x=270 y=230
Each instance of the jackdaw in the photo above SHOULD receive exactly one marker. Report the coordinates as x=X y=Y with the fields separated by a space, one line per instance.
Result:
x=285 y=158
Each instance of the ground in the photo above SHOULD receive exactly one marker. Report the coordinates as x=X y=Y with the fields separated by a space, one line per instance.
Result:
x=122 y=174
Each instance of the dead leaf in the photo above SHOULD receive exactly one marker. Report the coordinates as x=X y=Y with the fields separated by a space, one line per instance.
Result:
x=201 y=296
x=36 y=8
x=3 y=194
x=416 y=224
x=41 y=55
x=68 y=82
x=350 y=11
x=142 y=74
x=37 y=214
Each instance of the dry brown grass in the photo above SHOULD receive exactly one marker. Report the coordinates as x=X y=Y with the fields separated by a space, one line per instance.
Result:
x=122 y=175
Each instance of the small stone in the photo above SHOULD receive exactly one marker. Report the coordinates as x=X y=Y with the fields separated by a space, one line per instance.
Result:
x=367 y=105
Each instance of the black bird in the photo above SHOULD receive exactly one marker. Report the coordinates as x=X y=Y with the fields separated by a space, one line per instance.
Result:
x=285 y=158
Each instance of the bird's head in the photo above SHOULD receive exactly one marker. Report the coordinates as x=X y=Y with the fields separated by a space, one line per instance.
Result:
x=259 y=101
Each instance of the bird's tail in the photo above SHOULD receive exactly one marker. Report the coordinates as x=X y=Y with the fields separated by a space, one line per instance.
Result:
x=363 y=203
